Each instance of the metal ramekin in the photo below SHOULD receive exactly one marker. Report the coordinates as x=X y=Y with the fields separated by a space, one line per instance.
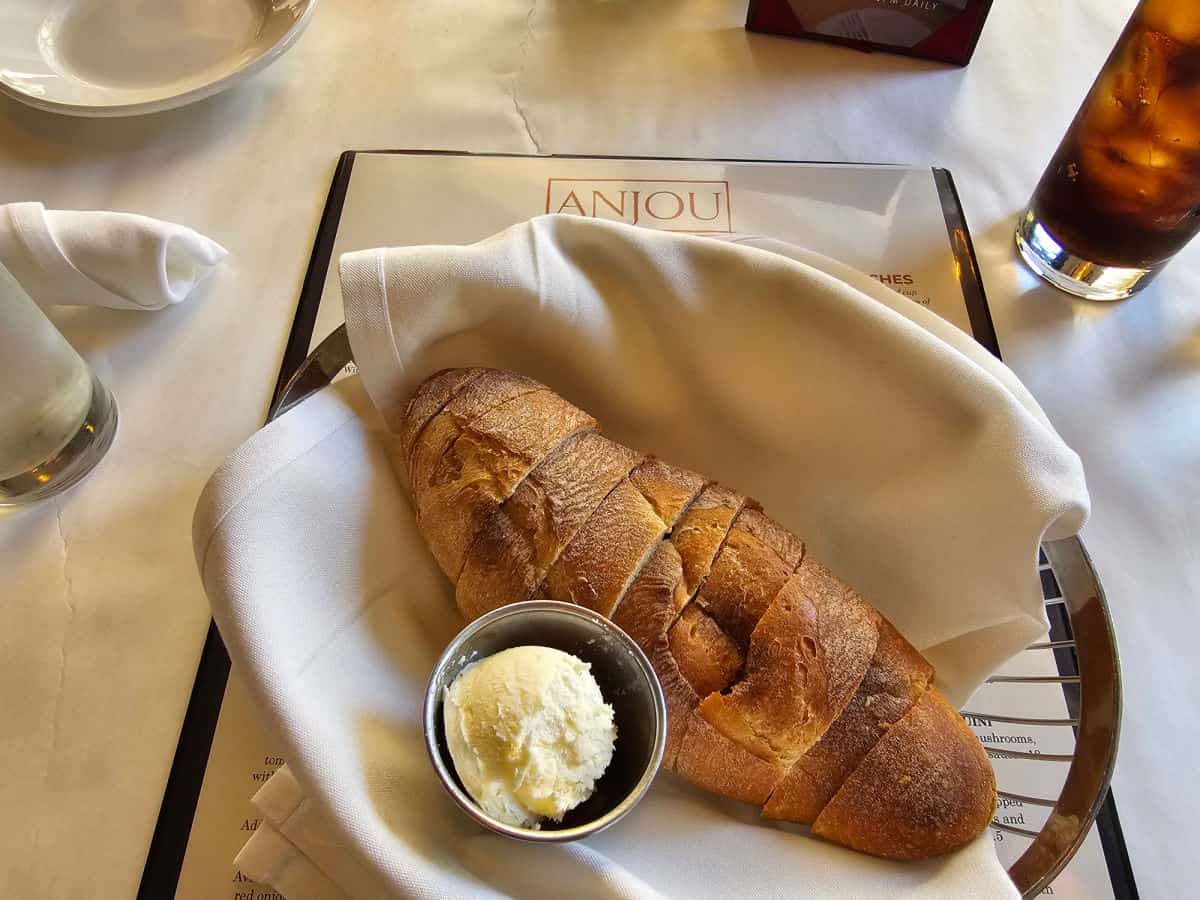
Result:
x=626 y=679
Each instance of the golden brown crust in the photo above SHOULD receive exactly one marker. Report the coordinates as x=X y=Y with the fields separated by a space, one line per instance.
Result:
x=788 y=547
x=712 y=634
x=479 y=395
x=434 y=393
x=925 y=789
x=655 y=598
x=522 y=538
x=709 y=655
x=849 y=631
x=607 y=552
x=744 y=580
x=895 y=680
x=708 y=658
x=482 y=468
x=698 y=536
x=667 y=488
x=711 y=761
x=618 y=538
x=807 y=656
x=645 y=614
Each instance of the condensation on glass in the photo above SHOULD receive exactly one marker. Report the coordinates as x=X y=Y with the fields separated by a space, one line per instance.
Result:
x=1121 y=195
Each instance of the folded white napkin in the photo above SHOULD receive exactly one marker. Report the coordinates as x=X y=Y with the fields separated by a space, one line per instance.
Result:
x=909 y=459
x=288 y=822
x=96 y=258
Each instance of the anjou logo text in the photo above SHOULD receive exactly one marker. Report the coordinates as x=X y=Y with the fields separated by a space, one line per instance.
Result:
x=696 y=206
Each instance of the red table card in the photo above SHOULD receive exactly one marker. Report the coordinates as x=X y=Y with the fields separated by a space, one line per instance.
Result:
x=945 y=30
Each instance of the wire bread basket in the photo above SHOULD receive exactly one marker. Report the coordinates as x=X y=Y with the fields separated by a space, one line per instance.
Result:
x=1084 y=679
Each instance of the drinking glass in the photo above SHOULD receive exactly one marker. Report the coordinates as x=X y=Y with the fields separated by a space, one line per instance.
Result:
x=1121 y=195
x=56 y=418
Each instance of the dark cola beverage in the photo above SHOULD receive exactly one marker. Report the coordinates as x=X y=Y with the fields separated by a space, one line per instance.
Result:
x=1122 y=191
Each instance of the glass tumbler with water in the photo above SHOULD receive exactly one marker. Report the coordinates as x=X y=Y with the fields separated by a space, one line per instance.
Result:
x=56 y=418
x=1121 y=195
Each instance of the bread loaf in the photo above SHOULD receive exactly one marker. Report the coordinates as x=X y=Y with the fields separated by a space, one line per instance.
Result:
x=784 y=687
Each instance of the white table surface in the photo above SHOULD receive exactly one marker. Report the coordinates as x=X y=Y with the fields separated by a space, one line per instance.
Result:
x=101 y=612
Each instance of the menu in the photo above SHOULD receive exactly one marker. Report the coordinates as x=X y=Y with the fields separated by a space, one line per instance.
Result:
x=901 y=225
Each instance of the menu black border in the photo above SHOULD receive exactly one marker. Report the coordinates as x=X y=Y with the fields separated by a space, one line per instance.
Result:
x=168 y=845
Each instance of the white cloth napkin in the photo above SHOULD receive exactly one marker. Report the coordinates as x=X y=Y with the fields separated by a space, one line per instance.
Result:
x=289 y=821
x=98 y=258
x=912 y=461
x=335 y=615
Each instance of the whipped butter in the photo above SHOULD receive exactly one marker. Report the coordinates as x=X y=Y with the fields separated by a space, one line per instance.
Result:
x=529 y=733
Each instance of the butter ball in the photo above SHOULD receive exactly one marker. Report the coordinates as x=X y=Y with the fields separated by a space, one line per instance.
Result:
x=529 y=733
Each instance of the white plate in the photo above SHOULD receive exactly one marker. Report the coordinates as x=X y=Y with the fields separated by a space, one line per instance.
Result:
x=128 y=57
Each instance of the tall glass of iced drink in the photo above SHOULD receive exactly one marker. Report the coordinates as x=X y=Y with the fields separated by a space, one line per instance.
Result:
x=1121 y=195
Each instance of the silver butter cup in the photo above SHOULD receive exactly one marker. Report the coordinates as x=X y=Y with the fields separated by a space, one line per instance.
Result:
x=626 y=679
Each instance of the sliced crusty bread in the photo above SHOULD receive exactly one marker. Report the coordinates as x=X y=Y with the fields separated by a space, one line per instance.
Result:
x=521 y=539
x=434 y=393
x=645 y=614
x=482 y=468
x=617 y=539
x=788 y=547
x=807 y=656
x=477 y=396
x=700 y=533
x=712 y=634
x=607 y=552
x=668 y=489
x=708 y=657
x=895 y=680
x=712 y=659
x=712 y=761
x=744 y=580
x=650 y=606
x=848 y=633
x=925 y=789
